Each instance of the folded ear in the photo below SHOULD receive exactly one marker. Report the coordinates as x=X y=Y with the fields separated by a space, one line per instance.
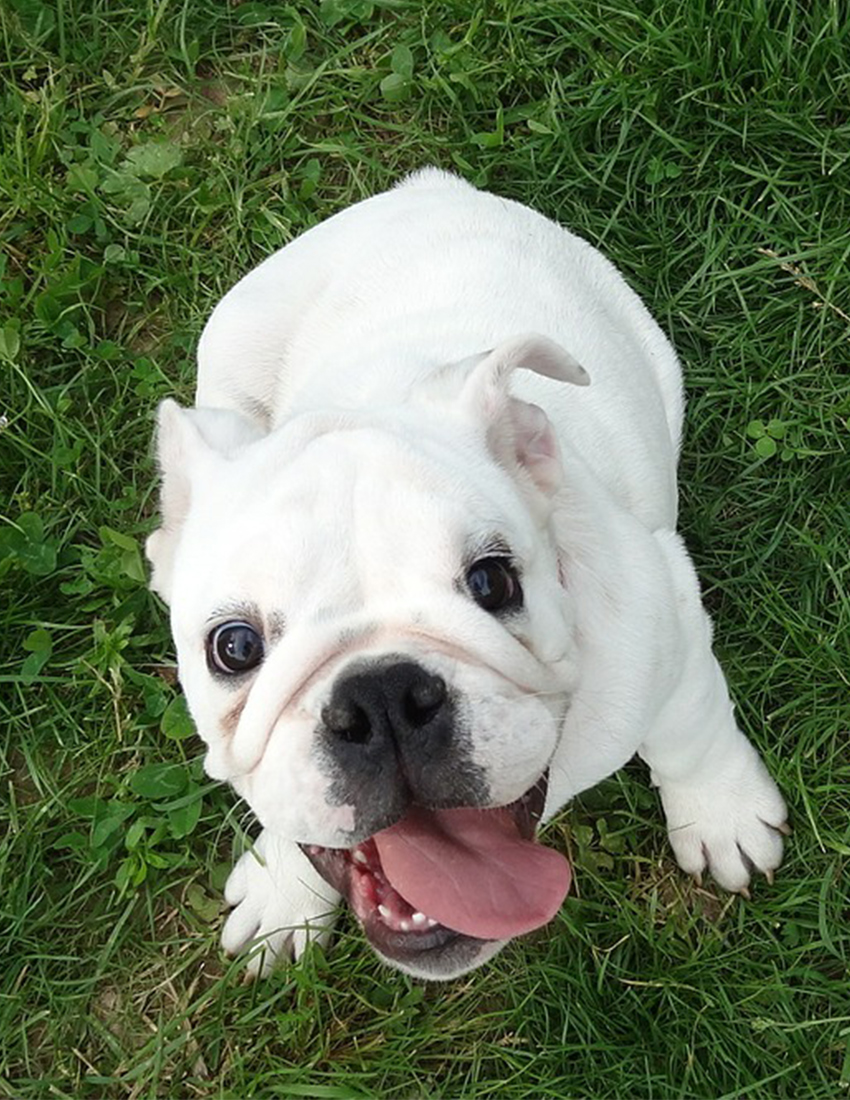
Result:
x=528 y=351
x=189 y=444
x=517 y=432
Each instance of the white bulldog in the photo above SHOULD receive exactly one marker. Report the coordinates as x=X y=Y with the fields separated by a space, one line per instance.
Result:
x=419 y=543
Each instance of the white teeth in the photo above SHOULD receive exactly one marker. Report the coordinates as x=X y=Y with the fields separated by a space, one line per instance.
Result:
x=404 y=925
x=418 y=918
x=359 y=856
x=385 y=913
x=431 y=922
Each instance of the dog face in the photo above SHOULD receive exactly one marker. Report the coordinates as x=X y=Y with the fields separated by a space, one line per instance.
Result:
x=377 y=647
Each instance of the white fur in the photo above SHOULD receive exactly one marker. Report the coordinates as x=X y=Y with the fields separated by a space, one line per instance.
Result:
x=280 y=904
x=372 y=416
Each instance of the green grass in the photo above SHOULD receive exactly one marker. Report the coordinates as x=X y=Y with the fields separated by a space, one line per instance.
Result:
x=152 y=152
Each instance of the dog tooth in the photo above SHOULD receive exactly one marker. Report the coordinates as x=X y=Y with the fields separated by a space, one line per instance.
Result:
x=404 y=925
x=385 y=913
x=418 y=918
x=360 y=856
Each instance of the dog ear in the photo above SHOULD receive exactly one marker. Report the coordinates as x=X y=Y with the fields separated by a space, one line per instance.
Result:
x=188 y=443
x=529 y=351
x=517 y=432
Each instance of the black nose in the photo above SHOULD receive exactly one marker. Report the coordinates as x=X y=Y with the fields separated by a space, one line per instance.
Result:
x=398 y=700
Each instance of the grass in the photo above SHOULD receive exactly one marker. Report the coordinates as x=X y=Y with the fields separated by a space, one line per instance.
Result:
x=149 y=154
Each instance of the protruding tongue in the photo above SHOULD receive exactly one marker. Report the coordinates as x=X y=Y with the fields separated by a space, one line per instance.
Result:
x=472 y=871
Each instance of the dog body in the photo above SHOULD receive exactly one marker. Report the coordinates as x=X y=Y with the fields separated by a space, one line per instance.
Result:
x=425 y=582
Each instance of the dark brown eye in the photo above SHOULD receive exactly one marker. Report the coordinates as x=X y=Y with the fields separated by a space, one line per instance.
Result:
x=234 y=648
x=494 y=584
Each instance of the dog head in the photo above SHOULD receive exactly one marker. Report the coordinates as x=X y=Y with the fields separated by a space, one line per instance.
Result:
x=376 y=644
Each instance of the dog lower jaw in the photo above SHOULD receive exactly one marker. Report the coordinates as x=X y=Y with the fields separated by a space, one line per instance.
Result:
x=460 y=956
x=406 y=938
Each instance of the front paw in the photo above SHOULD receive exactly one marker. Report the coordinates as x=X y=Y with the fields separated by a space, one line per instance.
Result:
x=280 y=904
x=730 y=825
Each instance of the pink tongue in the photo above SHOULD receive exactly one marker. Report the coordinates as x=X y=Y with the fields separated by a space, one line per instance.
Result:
x=471 y=871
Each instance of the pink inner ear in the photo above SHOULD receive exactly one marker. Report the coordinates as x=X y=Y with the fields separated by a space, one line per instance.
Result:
x=535 y=445
x=534 y=437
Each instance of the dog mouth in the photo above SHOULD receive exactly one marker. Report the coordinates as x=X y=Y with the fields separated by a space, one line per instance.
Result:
x=439 y=877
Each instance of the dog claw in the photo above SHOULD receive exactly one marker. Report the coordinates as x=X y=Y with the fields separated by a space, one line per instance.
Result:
x=745 y=893
x=769 y=876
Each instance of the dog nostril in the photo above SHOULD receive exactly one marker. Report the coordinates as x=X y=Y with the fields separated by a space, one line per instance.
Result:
x=424 y=699
x=350 y=723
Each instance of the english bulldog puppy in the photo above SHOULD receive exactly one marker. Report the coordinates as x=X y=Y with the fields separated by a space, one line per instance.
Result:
x=419 y=545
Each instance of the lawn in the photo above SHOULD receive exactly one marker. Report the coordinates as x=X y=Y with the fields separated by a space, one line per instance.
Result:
x=152 y=152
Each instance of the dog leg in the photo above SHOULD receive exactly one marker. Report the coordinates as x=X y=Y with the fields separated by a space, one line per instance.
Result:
x=724 y=812
x=279 y=901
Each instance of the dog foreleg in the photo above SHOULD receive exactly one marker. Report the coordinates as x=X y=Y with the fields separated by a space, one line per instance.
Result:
x=724 y=812
x=280 y=904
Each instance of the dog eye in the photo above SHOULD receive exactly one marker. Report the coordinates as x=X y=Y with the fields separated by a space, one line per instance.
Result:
x=234 y=647
x=494 y=584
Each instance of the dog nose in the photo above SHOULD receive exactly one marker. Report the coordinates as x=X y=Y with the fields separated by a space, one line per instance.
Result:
x=400 y=699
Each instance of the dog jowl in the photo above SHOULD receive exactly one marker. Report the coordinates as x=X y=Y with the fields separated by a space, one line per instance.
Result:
x=419 y=546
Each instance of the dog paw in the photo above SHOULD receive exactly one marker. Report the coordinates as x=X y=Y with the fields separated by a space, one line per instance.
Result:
x=280 y=904
x=731 y=825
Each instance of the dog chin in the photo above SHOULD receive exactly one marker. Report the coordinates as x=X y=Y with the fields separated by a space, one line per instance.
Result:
x=454 y=959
